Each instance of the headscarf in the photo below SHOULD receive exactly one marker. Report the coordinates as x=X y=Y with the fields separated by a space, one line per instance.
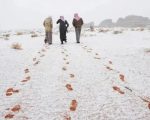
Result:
x=62 y=18
x=49 y=18
x=76 y=16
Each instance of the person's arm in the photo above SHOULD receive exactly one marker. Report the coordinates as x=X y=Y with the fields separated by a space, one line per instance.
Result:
x=67 y=24
x=51 y=25
x=73 y=22
x=58 y=21
x=82 y=21
x=44 y=23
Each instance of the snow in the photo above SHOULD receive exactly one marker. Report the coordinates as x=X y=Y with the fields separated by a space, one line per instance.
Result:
x=96 y=64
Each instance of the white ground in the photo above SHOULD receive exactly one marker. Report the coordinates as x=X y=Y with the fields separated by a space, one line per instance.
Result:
x=45 y=97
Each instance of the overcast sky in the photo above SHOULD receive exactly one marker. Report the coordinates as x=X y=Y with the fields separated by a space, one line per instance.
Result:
x=16 y=14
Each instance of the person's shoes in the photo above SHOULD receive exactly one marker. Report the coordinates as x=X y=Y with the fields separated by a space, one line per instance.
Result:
x=62 y=43
x=78 y=42
x=45 y=40
x=65 y=40
x=49 y=43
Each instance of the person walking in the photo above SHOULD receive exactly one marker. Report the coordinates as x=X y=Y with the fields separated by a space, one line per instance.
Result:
x=77 y=23
x=48 y=24
x=63 y=25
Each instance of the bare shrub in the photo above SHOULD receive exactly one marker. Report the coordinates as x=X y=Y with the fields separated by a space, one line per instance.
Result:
x=103 y=31
x=6 y=35
x=34 y=35
x=141 y=29
x=19 y=33
x=132 y=29
x=117 y=32
x=16 y=46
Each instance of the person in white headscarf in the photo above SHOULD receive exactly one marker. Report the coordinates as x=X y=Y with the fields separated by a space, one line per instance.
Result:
x=48 y=24
x=63 y=25
x=77 y=23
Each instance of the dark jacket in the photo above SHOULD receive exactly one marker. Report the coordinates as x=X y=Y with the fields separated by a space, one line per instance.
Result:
x=77 y=23
x=63 y=25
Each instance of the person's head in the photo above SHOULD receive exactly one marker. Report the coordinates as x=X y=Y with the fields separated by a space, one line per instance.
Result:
x=61 y=17
x=76 y=15
x=49 y=17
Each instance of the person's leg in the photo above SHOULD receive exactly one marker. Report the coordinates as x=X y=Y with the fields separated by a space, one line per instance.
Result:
x=46 y=37
x=50 y=37
x=77 y=35
x=79 y=30
x=65 y=37
x=76 y=32
x=61 y=37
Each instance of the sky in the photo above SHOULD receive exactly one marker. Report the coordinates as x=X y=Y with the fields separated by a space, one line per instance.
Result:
x=28 y=14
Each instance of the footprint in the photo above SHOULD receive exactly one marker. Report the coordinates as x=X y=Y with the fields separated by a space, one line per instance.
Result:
x=37 y=62
x=34 y=59
x=24 y=81
x=28 y=78
x=118 y=89
x=67 y=62
x=121 y=76
x=16 y=108
x=73 y=105
x=42 y=55
x=96 y=54
x=110 y=62
x=149 y=105
x=72 y=75
x=97 y=58
x=10 y=91
x=62 y=52
x=69 y=87
x=26 y=70
x=43 y=50
x=7 y=109
x=64 y=59
x=64 y=68
x=109 y=68
x=9 y=116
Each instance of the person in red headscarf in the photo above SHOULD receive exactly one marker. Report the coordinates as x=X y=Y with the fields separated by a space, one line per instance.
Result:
x=77 y=23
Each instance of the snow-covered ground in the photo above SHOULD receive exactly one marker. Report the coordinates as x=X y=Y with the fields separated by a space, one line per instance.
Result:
x=106 y=77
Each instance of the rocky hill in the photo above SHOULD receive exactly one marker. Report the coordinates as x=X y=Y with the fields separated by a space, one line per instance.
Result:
x=129 y=21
